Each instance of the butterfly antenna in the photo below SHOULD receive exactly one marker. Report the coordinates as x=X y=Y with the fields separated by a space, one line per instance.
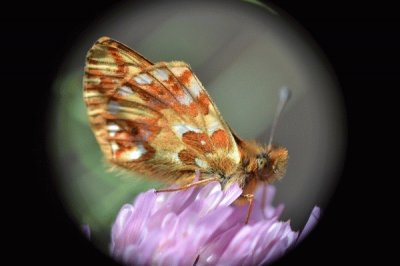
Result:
x=284 y=96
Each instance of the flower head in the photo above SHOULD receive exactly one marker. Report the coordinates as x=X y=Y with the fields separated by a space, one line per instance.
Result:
x=200 y=225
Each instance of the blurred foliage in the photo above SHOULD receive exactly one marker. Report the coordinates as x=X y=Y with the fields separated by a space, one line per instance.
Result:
x=93 y=193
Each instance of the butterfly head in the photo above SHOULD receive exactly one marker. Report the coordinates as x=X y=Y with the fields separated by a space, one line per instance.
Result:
x=272 y=164
x=267 y=164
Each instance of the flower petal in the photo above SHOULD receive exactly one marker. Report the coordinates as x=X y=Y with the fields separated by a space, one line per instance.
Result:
x=231 y=194
x=311 y=223
x=200 y=223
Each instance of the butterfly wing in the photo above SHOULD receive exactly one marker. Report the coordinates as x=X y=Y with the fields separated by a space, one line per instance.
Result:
x=156 y=119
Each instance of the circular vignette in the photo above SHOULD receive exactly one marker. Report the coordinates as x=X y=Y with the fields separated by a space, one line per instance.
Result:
x=242 y=53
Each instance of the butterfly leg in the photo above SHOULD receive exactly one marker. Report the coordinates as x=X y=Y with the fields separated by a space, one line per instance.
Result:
x=249 y=198
x=197 y=183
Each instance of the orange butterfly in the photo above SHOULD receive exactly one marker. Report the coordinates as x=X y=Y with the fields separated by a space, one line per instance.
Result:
x=158 y=120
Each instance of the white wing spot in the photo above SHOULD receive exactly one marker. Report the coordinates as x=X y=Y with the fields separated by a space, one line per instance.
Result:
x=143 y=79
x=112 y=129
x=92 y=93
x=175 y=157
x=114 y=146
x=125 y=91
x=161 y=74
x=113 y=107
x=182 y=129
x=178 y=71
x=136 y=153
x=185 y=99
x=212 y=127
x=201 y=163
x=203 y=142
x=194 y=88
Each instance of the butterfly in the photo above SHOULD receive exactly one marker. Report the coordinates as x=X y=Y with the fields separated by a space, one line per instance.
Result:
x=158 y=120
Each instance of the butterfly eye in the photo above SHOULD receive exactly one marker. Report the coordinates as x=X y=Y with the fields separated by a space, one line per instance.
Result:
x=261 y=162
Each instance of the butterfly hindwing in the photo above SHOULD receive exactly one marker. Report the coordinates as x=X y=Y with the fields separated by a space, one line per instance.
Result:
x=156 y=119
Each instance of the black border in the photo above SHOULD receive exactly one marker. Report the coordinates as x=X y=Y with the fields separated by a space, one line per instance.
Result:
x=356 y=37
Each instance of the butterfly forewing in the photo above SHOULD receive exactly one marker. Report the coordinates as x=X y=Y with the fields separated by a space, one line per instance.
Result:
x=156 y=119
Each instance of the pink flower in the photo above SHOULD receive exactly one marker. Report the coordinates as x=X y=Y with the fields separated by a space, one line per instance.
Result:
x=200 y=225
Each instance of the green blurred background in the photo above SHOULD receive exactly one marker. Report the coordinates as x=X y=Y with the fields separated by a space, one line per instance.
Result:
x=243 y=52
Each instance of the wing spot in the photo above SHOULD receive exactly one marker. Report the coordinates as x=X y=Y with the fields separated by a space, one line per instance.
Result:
x=185 y=99
x=143 y=79
x=195 y=140
x=113 y=127
x=178 y=71
x=181 y=129
x=186 y=157
x=220 y=139
x=92 y=94
x=213 y=126
x=136 y=152
x=114 y=146
x=175 y=157
x=194 y=88
x=200 y=163
x=185 y=76
x=113 y=107
x=125 y=91
x=161 y=74
x=203 y=102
